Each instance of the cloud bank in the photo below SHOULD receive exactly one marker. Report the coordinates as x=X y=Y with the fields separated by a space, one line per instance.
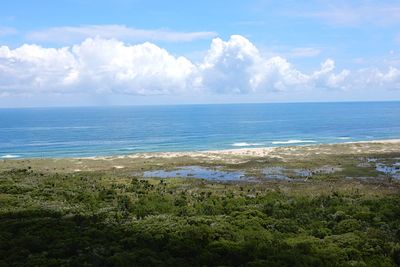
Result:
x=110 y=66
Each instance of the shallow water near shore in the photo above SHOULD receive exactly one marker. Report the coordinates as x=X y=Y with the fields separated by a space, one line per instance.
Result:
x=95 y=131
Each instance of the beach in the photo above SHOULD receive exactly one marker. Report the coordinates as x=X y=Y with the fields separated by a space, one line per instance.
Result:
x=249 y=160
x=373 y=146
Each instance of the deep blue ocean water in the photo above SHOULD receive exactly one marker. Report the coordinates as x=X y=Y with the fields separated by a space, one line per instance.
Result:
x=96 y=131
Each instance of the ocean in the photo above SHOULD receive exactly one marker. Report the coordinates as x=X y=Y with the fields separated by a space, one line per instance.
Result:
x=100 y=131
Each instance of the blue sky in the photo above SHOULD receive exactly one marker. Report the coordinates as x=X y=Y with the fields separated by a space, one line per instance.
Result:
x=93 y=52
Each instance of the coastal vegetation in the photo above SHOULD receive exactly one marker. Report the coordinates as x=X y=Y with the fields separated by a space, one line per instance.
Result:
x=336 y=209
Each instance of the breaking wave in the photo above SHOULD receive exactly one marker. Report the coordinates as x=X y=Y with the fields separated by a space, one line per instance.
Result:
x=292 y=142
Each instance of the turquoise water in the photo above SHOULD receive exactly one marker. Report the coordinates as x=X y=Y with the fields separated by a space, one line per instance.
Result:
x=95 y=131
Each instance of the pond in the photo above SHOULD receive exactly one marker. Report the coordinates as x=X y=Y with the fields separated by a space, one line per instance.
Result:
x=277 y=173
x=320 y=170
x=282 y=173
x=393 y=170
x=197 y=172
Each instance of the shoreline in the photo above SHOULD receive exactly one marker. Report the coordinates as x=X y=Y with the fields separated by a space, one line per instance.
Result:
x=354 y=158
x=251 y=151
x=357 y=146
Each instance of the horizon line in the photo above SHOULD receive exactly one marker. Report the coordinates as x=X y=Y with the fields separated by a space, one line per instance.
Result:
x=204 y=104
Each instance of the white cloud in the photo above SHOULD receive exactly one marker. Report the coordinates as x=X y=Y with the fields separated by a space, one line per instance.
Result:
x=278 y=74
x=229 y=66
x=237 y=66
x=95 y=64
x=379 y=79
x=122 y=32
x=112 y=67
x=325 y=77
x=31 y=67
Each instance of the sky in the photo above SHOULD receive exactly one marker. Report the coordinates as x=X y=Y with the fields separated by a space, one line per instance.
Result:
x=134 y=52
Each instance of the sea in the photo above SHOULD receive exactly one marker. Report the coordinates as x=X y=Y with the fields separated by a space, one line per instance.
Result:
x=121 y=130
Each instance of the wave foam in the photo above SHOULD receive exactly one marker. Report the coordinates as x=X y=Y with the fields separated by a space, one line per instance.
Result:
x=246 y=144
x=9 y=156
x=292 y=142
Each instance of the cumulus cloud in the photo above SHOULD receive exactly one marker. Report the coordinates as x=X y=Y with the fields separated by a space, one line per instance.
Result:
x=325 y=77
x=230 y=66
x=110 y=66
x=381 y=79
x=122 y=32
x=95 y=64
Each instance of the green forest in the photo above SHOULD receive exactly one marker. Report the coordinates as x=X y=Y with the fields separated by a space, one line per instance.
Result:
x=99 y=218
